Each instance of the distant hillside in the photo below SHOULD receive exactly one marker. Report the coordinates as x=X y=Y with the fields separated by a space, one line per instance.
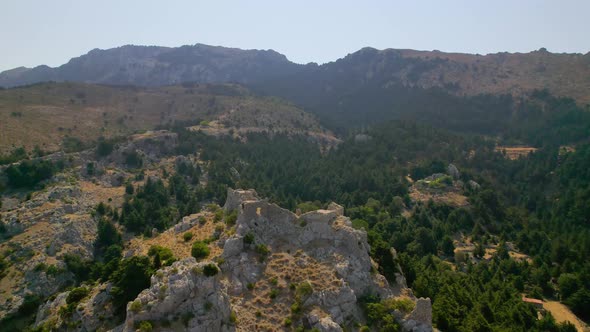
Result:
x=365 y=87
x=157 y=66
x=45 y=115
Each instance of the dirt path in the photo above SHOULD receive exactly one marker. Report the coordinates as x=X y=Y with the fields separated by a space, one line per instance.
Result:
x=561 y=313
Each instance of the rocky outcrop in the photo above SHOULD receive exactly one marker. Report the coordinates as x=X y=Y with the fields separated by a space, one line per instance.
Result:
x=236 y=197
x=453 y=171
x=183 y=291
x=54 y=222
x=93 y=313
x=270 y=251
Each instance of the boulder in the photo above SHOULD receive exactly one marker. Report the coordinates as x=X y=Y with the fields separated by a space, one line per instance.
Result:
x=453 y=171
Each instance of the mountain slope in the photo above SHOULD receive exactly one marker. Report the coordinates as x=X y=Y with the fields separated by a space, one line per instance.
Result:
x=462 y=74
x=46 y=115
x=464 y=92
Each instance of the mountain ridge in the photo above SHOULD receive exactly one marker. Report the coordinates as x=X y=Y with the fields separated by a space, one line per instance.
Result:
x=368 y=85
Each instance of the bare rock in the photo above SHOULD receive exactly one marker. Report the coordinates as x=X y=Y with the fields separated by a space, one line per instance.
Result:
x=235 y=197
x=183 y=289
x=453 y=171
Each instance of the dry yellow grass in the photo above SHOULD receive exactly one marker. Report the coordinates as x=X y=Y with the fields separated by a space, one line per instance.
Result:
x=43 y=114
x=561 y=313
x=450 y=197
x=515 y=152
x=100 y=193
x=175 y=242
x=256 y=311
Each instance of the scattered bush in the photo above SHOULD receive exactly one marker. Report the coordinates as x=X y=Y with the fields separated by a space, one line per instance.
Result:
x=145 y=326
x=187 y=236
x=249 y=238
x=200 y=250
x=262 y=250
x=162 y=256
x=129 y=188
x=273 y=293
x=104 y=147
x=304 y=289
x=274 y=281
x=16 y=155
x=218 y=215
x=28 y=173
x=231 y=218
x=288 y=322
x=135 y=306
x=210 y=270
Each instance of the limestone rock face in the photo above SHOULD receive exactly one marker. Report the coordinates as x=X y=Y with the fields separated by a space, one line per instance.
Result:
x=323 y=236
x=273 y=260
x=92 y=313
x=236 y=197
x=183 y=290
x=53 y=223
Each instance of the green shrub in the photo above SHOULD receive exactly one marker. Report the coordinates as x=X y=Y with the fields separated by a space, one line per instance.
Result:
x=296 y=308
x=273 y=293
x=288 y=322
x=231 y=218
x=380 y=313
x=200 y=250
x=187 y=236
x=162 y=256
x=135 y=306
x=145 y=326
x=202 y=220
x=104 y=147
x=262 y=250
x=210 y=270
x=129 y=189
x=29 y=173
x=77 y=294
x=274 y=281
x=218 y=215
x=133 y=159
x=40 y=267
x=249 y=238
x=304 y=289
x=186 y=318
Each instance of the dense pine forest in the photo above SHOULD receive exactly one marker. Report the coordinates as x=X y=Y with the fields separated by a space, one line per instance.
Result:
x=539 y=203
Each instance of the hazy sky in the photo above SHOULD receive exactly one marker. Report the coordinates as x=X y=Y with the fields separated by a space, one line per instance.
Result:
x=52 y=32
